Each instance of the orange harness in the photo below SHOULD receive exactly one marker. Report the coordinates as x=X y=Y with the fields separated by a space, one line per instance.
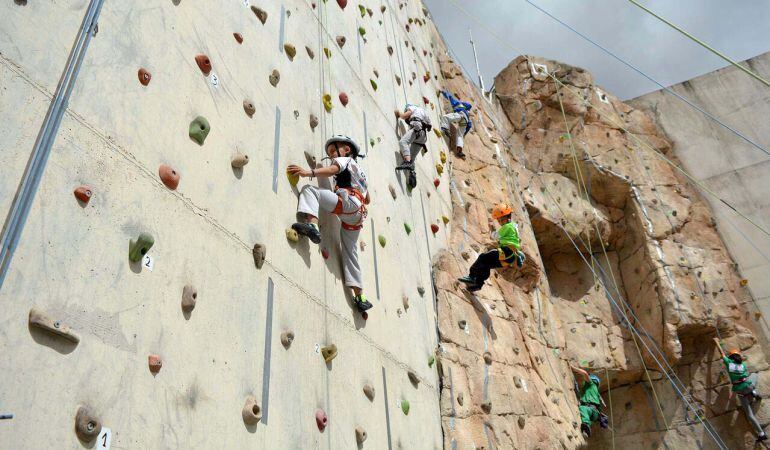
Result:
x=361 y=209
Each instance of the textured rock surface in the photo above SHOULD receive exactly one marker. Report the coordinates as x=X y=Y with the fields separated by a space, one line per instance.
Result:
x=585 y=179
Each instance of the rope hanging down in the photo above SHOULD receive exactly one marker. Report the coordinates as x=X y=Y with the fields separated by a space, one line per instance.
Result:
x=658 y=83
x=704 y=45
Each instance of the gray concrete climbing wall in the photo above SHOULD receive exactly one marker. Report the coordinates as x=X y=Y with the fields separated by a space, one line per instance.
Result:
x=72 y=262
x=726 y=164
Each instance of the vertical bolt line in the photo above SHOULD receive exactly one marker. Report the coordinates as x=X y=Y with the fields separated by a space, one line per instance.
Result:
x=33 y=173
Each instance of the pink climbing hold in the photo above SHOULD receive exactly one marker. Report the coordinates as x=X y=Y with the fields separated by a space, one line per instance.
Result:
x=342 y=3
x=343 y=99
x=321 y=419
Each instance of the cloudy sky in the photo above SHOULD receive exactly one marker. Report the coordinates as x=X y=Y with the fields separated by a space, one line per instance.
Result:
x=738 y=28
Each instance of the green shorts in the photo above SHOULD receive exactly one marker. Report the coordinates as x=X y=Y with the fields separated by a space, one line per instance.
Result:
x=588 y=414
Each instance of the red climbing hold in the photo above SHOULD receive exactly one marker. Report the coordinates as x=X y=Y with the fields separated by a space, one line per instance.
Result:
x=365 y=315
x=425 y=100
x=144 y=76
x=342 y=3
x=83 y=193
x=155 y=363
x=325 y=253
x=204 y=63
x=425 y=78
x=436 y=182
x=434 y=228
x=344 y=99
x=168 y=176
x=320 y=415
x=238 y=37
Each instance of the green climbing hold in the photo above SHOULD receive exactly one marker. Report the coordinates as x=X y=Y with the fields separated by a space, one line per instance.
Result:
x=371 y=142
x=407 y=228
x=405 y=406
x=382 y=240
x=374 y=85
x=199 y=129
x=361 y=31
x=362 y=9
x=431 y=361
x=140 y=246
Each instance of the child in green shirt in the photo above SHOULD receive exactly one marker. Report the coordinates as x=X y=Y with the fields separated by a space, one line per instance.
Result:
x=507 y=252
x=744 y=384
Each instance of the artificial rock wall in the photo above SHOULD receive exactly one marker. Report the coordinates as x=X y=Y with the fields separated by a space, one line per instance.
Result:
x=579 y=168
x=72 y=263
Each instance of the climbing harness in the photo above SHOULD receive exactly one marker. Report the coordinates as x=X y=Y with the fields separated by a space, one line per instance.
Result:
x=361 y=210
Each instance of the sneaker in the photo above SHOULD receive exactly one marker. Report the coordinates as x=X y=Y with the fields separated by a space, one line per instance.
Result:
x=362 y=303
x=762 y=437
x=757 y=396
x=308 y=229
x=406 y=165
x=520 y=258
x=469 y=280
x=445 y=131
x=586 y=430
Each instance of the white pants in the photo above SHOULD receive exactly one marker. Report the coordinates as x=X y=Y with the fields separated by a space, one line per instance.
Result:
x=413 y=140
x=312 y=200
x=459 y=120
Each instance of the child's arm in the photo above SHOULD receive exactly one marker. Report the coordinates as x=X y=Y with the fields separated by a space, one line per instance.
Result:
x=719 y=347
x=580 y=372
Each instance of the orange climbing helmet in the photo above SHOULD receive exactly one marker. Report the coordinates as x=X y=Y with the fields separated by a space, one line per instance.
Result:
x=732 y=352
x=501 y=210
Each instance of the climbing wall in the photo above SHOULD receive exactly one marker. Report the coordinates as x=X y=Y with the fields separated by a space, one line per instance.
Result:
x=265 y=81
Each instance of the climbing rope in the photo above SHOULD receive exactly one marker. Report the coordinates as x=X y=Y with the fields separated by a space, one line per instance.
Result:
x=653 y=80
x=703 y=44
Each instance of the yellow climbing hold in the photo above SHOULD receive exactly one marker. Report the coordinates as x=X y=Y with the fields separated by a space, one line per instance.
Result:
x=327 y=52
x=293 y=179
x=744 y=282
x=328 y=103
x=442 y=155
x=437 y=132
x=439 y=169
x=292 y=235
x=445 y=219
x=382 y=240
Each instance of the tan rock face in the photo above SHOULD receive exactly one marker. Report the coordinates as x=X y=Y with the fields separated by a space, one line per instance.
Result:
x=583 y=181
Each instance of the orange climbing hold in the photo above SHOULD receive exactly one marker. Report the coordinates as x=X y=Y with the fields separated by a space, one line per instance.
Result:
x=169 y=176
x=204 y=64
x=144 y=76
x=83 y=193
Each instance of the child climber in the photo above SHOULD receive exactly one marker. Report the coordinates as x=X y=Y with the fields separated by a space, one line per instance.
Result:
x=460 y=116
x=744 y=384
x=415 y=137
x=590 y=401
x=507 y=252
x=348 y=202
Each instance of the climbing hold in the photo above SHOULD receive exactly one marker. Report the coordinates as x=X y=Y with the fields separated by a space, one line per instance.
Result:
x=238 y=37
x=204 y=63
x=362 y=10
x=744 y=282
x=436 y=182
x=155 y=363
x=239 y=160
x=259 y=252
x=313 y=121
x=260 y=13
x=460 y=398
x=138 y=247
x=249 y=108
x=327 y=52
x=521 y=421
x=189 y=297
x=382 y=8
x=83 y=193
x=251 y=412
x=87 y=426
x=398 y=80
x=405 y=406
x=362 y=245
x=405 y=302
x=293 y=178
x=287 y=337
x=144 y=76
x=421 y=290
x=374 y=84
x=370 y=12
x=434 y=228
x=310 y=52
x=168 y=176
x=39 y=319
x=369 y=391
x=274 y=77
x=362 y=31
x=438 y=135
x=329 y=352
x=320 y=415
x=371 y=142
x=291 y=52
x=439 y=169
x=343 y=98
x=376 y=73
x=341 y=41
x=413 y=378
x=488 y=358
x=462 y=323
x=327 y=99
x=360 y=435
x=431 y=360
x=407 y=228
x=199 y=129
x=342 y=3
x=325 y=253
x=425 y=78
x=486 y=406
x=390 y=50
x=392 y=191
x=425 y=100
x=382 y=240
x=442 y=157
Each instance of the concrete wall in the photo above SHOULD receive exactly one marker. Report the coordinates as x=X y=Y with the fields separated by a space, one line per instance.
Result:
x=735 y=170
x=72 y=260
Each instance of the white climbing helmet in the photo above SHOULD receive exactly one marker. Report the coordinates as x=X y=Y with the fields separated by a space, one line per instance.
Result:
x=346 y=140
x=406 y=107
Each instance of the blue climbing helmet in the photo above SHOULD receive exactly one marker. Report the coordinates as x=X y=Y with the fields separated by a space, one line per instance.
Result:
x=356 y=151
x=594 y=378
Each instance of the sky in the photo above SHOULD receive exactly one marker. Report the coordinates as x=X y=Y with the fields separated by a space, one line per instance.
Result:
x=737 y=28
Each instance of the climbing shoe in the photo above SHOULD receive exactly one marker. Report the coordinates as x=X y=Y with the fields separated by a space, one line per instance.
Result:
x=762 y=437
x=411 y=179
x=757 y=396
x=406 y=165
x=308 y=229
x=469 y=280
x=520 y=258
x=362 y=303
x=586 y=430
